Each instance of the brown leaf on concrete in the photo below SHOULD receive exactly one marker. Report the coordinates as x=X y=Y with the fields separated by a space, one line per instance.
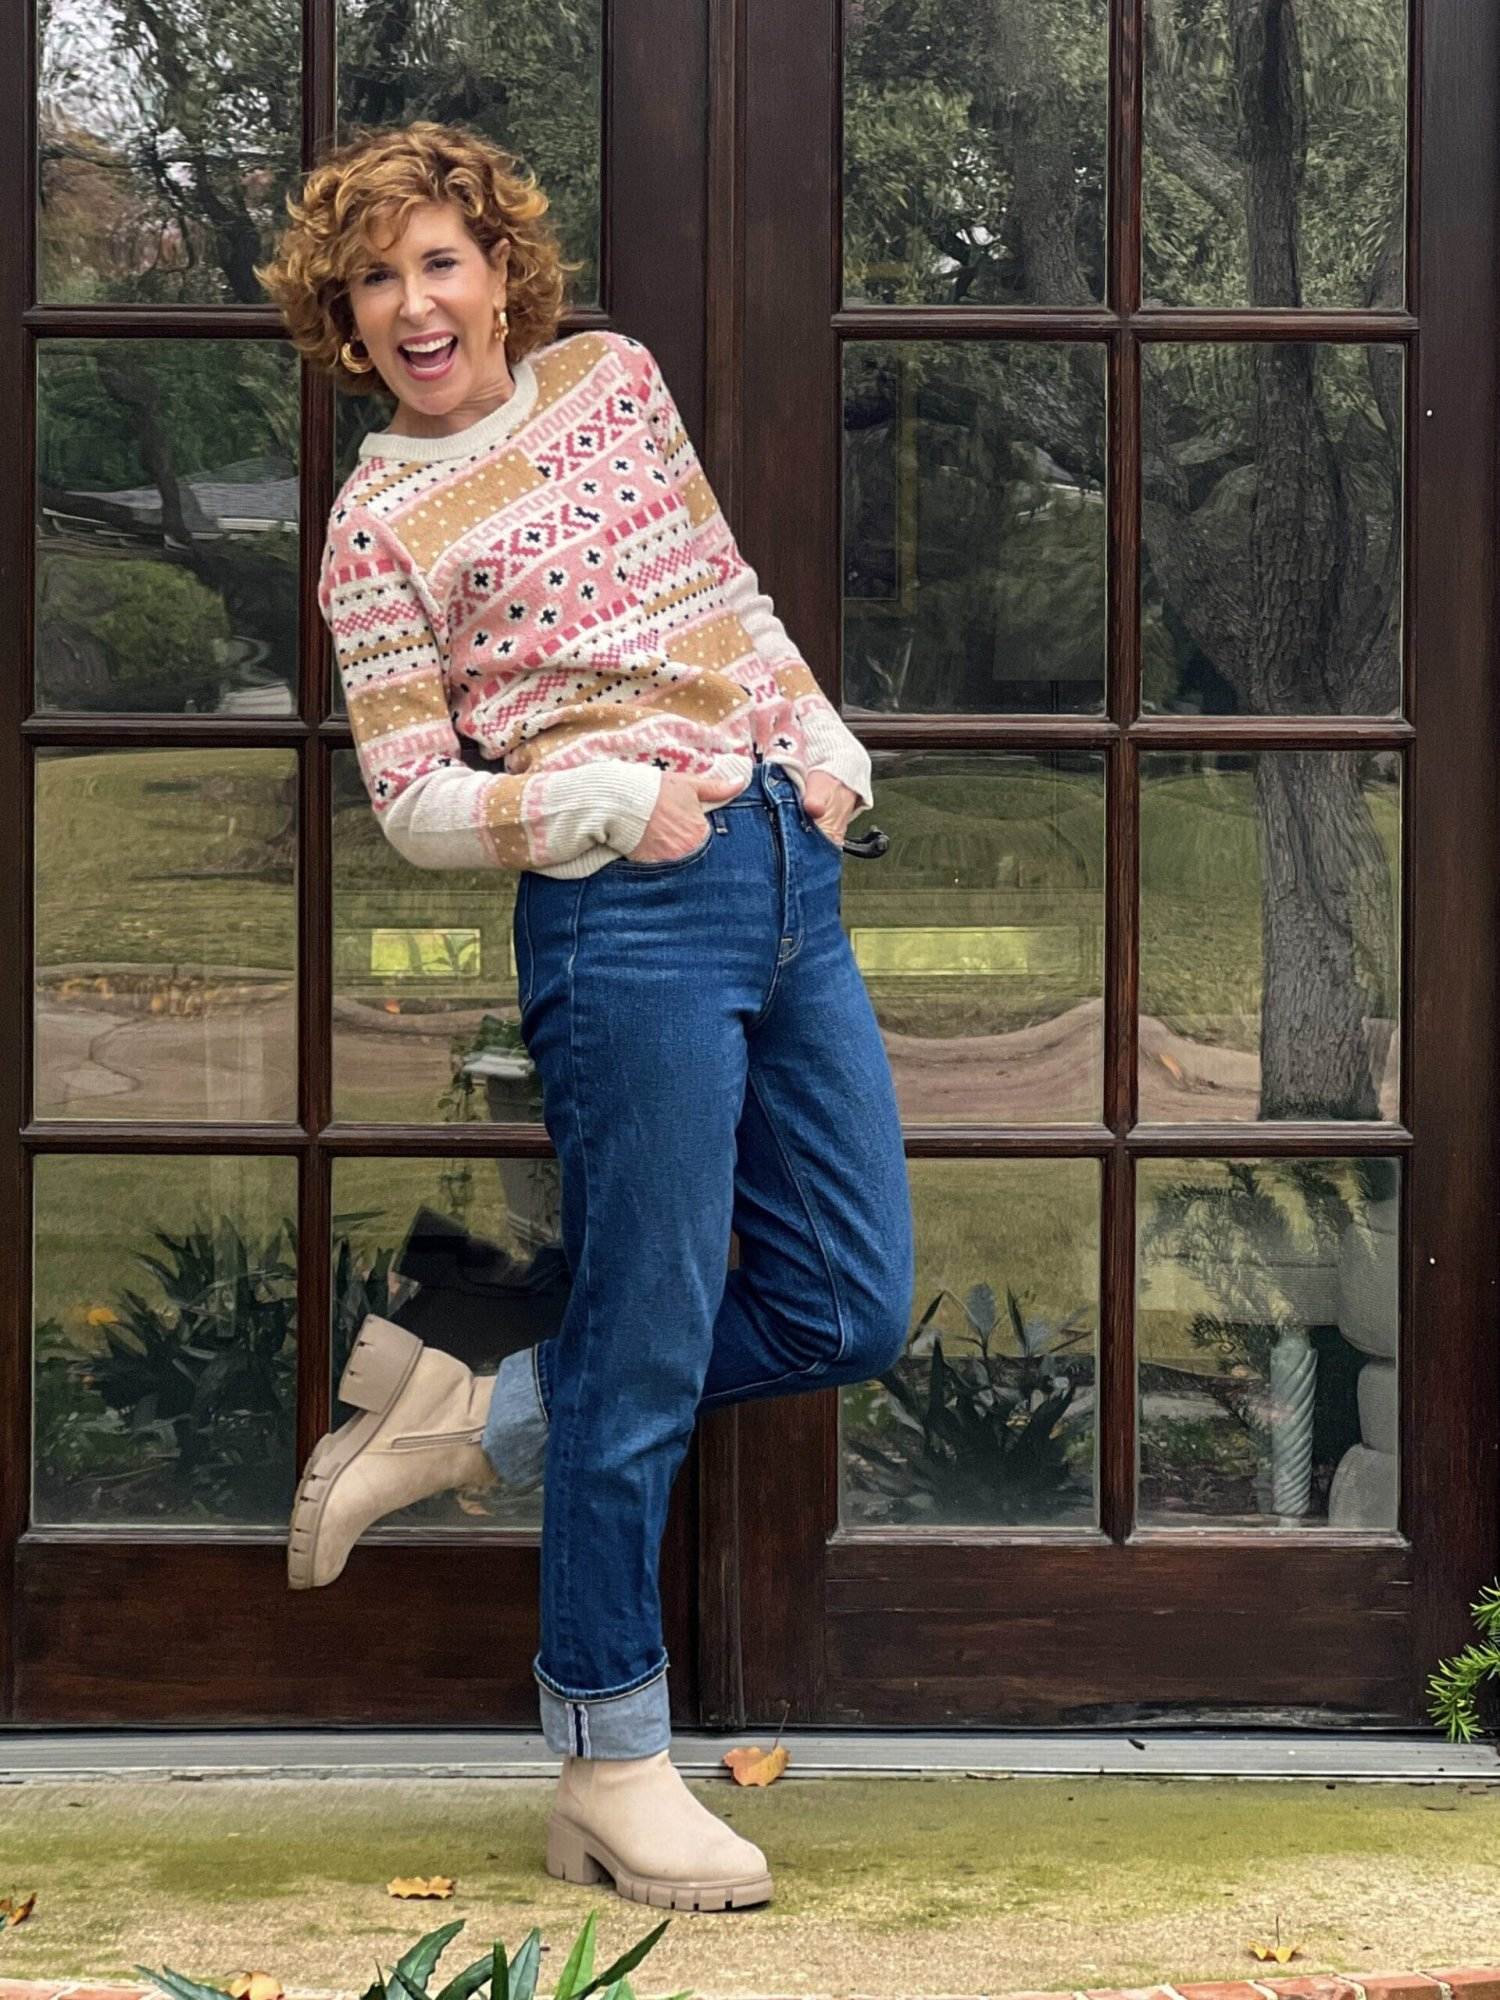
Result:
x=753 y=1766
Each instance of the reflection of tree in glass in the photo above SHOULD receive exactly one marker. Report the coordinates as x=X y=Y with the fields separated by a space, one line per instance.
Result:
x=975 y=532
x=527 y=75
x=962 y=126
x=1275 y=540
x=168 y=139
x=167 y=558
x=1241 y=94
x=1271 y=476
x=169 y=134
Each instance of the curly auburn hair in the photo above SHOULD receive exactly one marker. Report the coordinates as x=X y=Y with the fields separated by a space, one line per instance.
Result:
x=377 y=177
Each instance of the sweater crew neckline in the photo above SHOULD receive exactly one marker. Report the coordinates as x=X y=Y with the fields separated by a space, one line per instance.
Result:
x=484 y=431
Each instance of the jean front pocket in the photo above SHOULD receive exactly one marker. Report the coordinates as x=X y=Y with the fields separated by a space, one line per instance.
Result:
x=672 y=862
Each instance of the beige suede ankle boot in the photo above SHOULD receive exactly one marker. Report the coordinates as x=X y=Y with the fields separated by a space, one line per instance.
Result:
x=635 y=1820
x=424 y=1415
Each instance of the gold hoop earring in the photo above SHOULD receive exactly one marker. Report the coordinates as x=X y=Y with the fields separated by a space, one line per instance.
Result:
x=355 y=367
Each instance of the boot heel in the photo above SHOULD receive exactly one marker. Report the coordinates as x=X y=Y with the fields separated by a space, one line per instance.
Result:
x=379 y=1365
x=568 y=1858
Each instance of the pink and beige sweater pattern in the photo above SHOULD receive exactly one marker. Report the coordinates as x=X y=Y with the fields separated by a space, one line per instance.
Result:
x=557 y=583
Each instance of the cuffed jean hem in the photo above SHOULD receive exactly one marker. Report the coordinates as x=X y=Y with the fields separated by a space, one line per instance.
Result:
x=637 y=1724
x=515 y=1431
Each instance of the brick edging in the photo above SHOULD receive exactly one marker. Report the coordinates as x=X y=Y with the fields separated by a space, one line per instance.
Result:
x=1453 y=1982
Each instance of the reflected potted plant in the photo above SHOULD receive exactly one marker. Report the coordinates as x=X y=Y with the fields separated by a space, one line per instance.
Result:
x=986 y=1436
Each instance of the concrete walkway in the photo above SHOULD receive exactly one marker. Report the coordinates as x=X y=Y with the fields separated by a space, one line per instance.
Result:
x=885 y=1886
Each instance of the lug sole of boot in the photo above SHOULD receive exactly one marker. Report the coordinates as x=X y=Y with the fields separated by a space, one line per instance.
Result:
x=574 y=1855
x=379 y=1367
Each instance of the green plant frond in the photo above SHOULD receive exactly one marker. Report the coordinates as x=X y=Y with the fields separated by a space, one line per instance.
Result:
x=579 y=1967
x=614 y=1975
x=402 y=1987
x=467 y=1982
x=1452 y=1688
x=525 y=1966
x=414 y=1968
x=182 y=1988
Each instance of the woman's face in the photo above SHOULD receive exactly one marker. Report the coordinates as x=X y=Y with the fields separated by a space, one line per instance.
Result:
x=425 y=304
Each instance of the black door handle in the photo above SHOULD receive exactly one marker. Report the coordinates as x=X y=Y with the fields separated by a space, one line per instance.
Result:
x=868 y=846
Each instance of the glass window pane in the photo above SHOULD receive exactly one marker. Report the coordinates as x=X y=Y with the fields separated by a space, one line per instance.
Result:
x=1270 y=948
x=468 y=1255
x=169 y=138
x=974 y=152
x=1271 y=528
x=974 y=531
x=167 y=526
x=426 y=1026
x=988 y=1419
x=166 y=934
x=165 y=1328
x=1266 y=1337
x=1275 y=154
x=980 y=933
x=528 y=78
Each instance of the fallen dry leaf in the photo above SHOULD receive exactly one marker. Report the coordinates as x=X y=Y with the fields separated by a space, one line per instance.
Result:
x=16 y=1909
x=256 y=1986
x=1280 y=1952
x=419 y=1885
x=753 y=1766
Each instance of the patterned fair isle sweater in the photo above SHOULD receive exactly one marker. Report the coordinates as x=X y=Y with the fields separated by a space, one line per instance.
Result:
x=556 y=583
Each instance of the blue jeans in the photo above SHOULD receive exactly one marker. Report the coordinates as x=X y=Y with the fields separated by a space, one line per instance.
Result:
x=709 y=1059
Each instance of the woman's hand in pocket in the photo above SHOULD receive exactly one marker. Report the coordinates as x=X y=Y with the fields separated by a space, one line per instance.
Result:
x=677 y=822
x=829 y=804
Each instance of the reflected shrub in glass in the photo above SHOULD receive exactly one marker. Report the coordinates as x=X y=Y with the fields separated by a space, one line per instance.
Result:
x=989 y=1416
x=164 y=1301
x=167 y=526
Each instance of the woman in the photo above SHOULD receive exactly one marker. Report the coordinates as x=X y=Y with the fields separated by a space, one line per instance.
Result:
x=530 y=558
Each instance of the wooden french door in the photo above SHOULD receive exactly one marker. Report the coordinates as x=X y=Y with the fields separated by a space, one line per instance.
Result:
x=1107 y=394
x=257 y=1080
x=1120 y=396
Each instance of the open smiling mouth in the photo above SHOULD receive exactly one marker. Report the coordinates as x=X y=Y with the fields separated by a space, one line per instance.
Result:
x=428 y=362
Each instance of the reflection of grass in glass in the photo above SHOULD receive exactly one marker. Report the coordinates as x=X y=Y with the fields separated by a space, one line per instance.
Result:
x=980 y=841
x=172 y=857
x=1029 y=1224
x=94 y=1213
x=1201 y=949
x=386 y=1194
